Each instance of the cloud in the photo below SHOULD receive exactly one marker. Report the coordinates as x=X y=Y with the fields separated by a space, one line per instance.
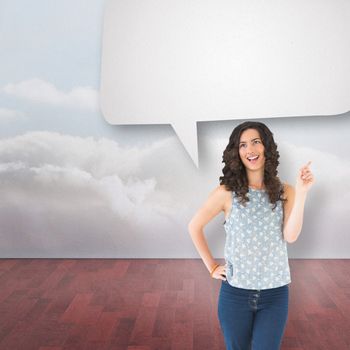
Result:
x=51 y=159
x=58 y=190
x=43 y=92
x=67 y=196
x=9 y=115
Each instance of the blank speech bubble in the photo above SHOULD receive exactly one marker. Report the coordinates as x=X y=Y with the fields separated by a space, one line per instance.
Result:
x=180 y=62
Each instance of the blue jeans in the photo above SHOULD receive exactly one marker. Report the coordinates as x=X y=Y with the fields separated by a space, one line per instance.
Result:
x=252 y=319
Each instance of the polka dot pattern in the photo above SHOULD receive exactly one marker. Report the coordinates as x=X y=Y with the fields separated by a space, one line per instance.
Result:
x=255 y=251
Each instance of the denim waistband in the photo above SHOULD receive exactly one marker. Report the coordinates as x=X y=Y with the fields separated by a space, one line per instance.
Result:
x=247 y=291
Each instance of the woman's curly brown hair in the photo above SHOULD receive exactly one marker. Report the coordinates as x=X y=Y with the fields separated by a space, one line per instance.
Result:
x=235 y=177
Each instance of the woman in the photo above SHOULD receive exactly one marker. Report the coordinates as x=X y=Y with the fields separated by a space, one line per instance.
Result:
x=261 y=216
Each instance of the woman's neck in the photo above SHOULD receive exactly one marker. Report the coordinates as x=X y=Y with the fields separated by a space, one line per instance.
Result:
x=256 y=179
x=257 y=187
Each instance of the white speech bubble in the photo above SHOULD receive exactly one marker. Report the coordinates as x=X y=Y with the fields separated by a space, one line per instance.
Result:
x=180 y=62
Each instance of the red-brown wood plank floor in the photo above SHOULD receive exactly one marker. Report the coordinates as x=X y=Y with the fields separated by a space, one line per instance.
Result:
x=146 y=304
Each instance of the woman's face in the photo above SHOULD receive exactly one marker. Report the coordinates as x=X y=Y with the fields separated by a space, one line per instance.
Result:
x=250 y=145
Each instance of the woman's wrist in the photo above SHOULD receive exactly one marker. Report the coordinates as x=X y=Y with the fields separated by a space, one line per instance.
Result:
x=213 y=269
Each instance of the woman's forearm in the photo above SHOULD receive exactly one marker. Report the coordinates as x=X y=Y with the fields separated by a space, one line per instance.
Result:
x=198 y=238
x=294 y=224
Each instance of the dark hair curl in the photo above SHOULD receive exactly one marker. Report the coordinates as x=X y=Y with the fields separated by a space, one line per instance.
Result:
x=235 y=176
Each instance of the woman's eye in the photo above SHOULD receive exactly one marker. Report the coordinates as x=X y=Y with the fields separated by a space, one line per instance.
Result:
x=243 y=144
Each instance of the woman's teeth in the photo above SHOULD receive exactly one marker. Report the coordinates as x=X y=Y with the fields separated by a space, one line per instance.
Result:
x=253 y=159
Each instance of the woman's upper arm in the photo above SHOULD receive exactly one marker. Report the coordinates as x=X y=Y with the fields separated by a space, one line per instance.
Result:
x=289 y=192
x=214 y=204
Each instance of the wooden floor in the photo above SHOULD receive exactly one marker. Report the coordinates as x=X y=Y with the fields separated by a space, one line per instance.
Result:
x=144 y=304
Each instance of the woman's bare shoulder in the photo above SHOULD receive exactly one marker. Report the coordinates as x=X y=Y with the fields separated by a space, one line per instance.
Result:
x=226 y=196
x=213 y=205
x=223 y=190
x=288 y=190
x=220 y=195
x=287 y=186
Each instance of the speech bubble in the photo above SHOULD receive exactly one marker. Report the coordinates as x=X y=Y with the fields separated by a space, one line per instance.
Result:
x=182 y=62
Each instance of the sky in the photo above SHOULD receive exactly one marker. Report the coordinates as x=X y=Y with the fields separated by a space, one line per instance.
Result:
x=75 y=186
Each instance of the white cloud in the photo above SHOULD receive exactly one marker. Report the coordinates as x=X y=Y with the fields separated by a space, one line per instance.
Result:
x=49 y=158
x=9 y=115
x=127 y=198
x=40 y=91
x=67 y=196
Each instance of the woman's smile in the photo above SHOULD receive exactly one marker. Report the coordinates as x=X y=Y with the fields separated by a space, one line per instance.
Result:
x=253 y=159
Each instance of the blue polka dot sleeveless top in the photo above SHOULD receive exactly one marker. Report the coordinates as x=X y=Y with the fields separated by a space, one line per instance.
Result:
x=255 y=251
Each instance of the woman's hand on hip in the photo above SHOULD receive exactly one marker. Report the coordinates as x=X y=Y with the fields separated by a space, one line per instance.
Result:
x=220 y=273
